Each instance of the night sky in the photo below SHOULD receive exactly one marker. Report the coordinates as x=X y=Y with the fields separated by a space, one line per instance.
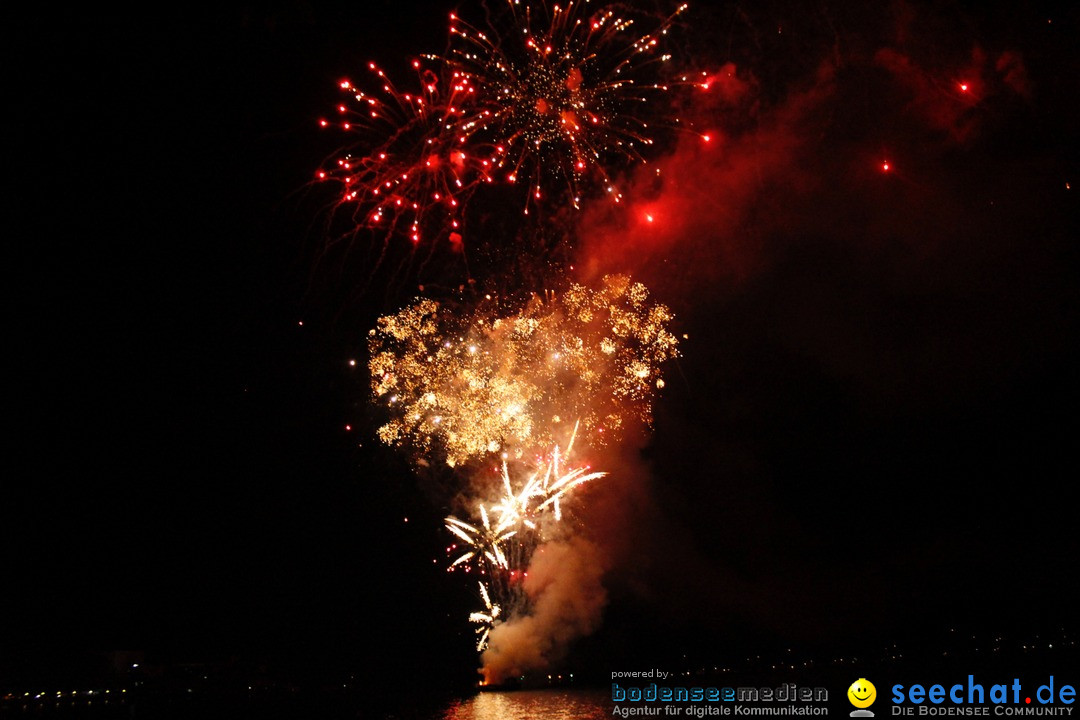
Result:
x=869 y=438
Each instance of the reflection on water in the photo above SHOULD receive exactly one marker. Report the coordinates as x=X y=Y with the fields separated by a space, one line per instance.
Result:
x=558 y=704
x=553 y=703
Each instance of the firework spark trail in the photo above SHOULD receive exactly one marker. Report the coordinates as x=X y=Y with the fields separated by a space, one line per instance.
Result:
x=547 y=484
x=558 y=101
x=529 y=517
x=565 y=91
x=522 y=509
x=485 y=619
x=405 y=171
x=484 y=540
x=465 y=387
x=565 y=95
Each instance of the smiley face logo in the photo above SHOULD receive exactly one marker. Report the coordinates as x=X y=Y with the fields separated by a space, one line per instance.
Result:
x=862 y=693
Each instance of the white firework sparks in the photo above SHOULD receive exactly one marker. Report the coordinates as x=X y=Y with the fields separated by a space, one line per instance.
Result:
x=483 y=540
x=486 y=618
x=545 y=487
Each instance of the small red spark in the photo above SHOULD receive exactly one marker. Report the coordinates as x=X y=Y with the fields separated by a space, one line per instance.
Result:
x=885 y=166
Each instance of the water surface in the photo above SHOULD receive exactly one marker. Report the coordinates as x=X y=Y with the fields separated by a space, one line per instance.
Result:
x=557 y=704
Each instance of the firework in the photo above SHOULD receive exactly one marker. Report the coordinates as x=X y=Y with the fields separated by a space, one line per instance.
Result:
x=542 y=490
x=544 y=98
x=557 y=101
x=467 y=385
x=404 y=170
x=564 y=90
x=484 y=540
x=485 y=618
x=504 y=546
x=502 y=551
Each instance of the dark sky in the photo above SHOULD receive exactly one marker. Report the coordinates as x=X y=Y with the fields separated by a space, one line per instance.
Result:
x=872 y=424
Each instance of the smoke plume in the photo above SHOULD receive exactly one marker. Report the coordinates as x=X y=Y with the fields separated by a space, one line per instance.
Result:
x=567 y=597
